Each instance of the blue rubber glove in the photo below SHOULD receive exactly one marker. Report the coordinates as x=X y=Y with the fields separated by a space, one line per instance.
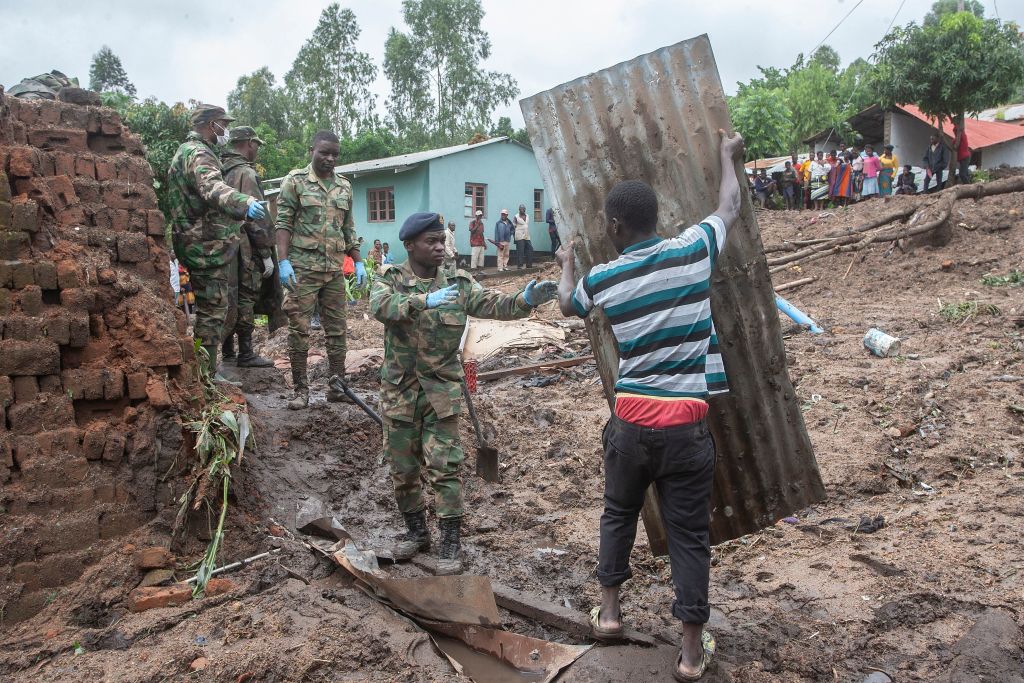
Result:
x=360 y=274
x=536 y=293
x=255 y=211
x=287 y=274
x=443 y=296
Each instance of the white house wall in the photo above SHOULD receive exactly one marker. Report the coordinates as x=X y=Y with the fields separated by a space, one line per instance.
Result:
x=1010 y=153
x=910 y=137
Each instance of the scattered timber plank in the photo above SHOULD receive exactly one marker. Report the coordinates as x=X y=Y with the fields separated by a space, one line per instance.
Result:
x=562 y=618
x=527 y=369
x=796 y=283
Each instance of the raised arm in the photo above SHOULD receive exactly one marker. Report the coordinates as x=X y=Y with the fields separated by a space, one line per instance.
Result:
x=729 y=198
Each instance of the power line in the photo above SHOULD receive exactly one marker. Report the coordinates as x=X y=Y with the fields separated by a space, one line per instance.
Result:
x=859 y=3
x=857 y=84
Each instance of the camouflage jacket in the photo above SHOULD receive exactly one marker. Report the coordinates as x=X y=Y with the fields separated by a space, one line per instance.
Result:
x=319 y=220
x=240 y=174
x=204 y=209
x=421 y=346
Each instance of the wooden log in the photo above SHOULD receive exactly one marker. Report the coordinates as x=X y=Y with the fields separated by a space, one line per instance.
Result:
x=796 y=283
x=556 y=616
x=850 y=240
x=534 y=367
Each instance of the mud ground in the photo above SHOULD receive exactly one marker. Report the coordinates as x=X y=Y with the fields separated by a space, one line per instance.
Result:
x=934 y=595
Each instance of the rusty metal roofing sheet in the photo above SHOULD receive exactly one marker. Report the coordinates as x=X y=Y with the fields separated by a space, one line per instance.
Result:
x=656 y=118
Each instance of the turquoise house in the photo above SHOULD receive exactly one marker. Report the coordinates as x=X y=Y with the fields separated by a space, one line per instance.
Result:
x=492 y=175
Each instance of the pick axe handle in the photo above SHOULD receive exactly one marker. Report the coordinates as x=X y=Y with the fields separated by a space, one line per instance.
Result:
x=336 y=383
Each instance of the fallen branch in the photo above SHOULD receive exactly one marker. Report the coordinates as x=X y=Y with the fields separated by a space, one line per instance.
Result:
x=920 y=222
x=796 y=283
x=527 y=369
x=900 y=214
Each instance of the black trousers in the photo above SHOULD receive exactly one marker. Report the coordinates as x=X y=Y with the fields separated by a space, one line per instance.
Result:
x=556 y=241
x=939 y=182
x=524 y=252
x=680 y=462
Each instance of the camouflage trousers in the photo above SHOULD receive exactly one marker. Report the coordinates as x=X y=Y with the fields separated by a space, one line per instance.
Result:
x=430 y=444
x=250 y=279
x=215 y=290
x=328 y=290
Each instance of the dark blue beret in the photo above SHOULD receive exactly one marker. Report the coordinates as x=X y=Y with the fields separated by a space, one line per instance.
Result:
x=419 y=223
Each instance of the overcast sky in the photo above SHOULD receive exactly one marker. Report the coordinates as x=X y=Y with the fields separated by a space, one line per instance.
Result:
x=197 y=49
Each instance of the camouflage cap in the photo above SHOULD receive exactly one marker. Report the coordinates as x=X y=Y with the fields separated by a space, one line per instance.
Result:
x=243 y=133
x=204 y=113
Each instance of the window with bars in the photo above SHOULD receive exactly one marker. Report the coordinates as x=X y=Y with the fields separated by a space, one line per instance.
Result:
x=476 y=200
x=538 y=206
x=380 y=203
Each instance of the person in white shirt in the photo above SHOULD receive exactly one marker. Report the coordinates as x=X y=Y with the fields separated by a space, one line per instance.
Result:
x=524 y=247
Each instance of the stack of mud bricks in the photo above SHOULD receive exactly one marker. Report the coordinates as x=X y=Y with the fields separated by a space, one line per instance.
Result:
x=94 y=357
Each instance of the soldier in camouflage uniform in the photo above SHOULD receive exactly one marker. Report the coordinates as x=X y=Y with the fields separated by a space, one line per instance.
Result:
x=315 y=231
x=256 y=252
x=424 y=314
x=205 y=228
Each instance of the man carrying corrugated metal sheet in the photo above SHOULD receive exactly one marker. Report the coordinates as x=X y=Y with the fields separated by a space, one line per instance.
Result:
x=656 y=295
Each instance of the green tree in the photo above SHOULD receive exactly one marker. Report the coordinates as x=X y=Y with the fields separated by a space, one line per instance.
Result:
x=764 y=120
x=257 y=100
x=279 y=154
x=810 y=98
x=107 y=75
x=856 y=89
x=959 y=64
x=439 y=92
x=329 y=82
x=827 y=57
x=944 y=7
x=503 y=128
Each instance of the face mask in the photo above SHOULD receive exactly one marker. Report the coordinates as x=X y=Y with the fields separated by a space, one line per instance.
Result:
x=222 y=137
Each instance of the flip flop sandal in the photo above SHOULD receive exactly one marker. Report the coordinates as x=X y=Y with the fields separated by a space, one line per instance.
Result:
x=708 y=642
x=603 y=634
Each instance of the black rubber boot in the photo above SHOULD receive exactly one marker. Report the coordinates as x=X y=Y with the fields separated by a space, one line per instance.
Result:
x=448 y=561
x=212 y=366
x=416 y=539
x=227 y=349
x=336 y=366
x=301 y=399
x=247 y=358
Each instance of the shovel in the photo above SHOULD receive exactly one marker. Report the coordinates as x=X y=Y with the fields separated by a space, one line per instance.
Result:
x=337 y=384
x=486 y=455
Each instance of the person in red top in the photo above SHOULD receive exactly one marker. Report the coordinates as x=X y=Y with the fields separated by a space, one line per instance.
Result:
x=477 y=243
x=963 y=154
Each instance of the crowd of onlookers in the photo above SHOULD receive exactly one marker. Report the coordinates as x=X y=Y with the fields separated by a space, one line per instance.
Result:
x=855 y=174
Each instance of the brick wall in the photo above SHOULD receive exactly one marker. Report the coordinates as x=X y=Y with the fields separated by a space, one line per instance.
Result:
x=94 y=357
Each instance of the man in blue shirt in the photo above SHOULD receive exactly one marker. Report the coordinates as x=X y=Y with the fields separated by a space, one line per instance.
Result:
x=503 y=238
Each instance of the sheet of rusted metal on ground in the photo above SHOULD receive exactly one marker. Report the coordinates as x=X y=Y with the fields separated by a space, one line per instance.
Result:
x=656 y=118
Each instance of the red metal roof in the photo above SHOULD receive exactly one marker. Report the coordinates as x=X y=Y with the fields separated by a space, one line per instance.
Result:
x=980 y=134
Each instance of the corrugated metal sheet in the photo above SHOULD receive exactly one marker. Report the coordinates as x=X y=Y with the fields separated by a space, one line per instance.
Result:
x=656 y=118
